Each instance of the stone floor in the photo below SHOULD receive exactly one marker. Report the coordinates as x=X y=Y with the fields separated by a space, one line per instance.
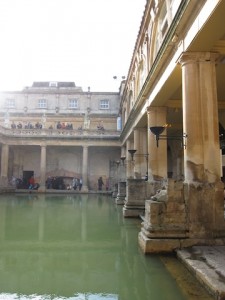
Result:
x=207 y=263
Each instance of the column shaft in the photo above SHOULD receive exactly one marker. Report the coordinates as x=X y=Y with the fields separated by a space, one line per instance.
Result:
x=5 y=161
x=200 y=118
x=130 y=163
x=43 y=167
x=157 y=163
x=85 y=168
x=137 y=164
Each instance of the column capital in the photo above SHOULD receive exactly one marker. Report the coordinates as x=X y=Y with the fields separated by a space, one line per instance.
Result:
x=155 y=109
x=139 y=128
x=196 y=57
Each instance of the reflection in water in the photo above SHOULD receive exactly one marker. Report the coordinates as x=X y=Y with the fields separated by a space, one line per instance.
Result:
x=51 y=297
x=76 y=247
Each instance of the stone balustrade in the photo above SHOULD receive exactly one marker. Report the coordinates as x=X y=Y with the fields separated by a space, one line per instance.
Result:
x=61 y=133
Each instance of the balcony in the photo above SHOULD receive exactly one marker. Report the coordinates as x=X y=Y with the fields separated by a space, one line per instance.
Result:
x=60 y=133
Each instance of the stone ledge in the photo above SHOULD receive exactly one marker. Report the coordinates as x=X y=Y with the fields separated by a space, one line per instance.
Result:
x=207 y=264
x=157 y=245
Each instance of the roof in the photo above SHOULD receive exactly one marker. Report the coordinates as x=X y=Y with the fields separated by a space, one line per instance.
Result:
x=52 y=84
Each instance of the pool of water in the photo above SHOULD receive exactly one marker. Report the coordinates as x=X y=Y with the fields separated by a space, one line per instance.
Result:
x=79 y=247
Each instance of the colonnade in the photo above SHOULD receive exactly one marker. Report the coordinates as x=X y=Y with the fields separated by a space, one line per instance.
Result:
x=201 y=156
x=84 y=168
x=194 y=209
x=43 y=152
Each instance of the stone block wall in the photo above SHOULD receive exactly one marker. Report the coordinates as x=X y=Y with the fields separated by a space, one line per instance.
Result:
x=165 y=213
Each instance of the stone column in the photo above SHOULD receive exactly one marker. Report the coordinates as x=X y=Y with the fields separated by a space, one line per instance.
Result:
x=144 y=150
x=137 y=159
x=43 y=168
x=120 y=198
x=123 y=163
x=85 y=169
x=130 y=164
x=157 y=163
x=200 y=114
x=134 y=203
x=4 y=165
x=165 y=215
x=202 y=168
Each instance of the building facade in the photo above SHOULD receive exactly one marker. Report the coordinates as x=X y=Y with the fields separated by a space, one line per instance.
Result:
x=56 y=129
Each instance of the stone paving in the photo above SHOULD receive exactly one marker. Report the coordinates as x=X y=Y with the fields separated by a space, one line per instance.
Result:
x=207 y=263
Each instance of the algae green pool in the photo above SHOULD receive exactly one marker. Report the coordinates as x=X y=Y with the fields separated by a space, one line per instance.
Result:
x=78 y=247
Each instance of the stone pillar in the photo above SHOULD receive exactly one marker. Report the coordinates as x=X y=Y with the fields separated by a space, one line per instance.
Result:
x=135 y=188
x=121 y=195
x=130 y=163
x=85 y=169
x=144 y=150
x=137 y=159
x=191 y=213
x=157 y=168
x=121 y=188
x=157 y=159
x=43 y=169
x=134 y=204
x=4 y=181
x=200 y=114
x=202 y=168
x=123 y=164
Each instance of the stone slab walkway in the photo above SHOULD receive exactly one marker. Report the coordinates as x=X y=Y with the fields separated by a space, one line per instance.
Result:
x=207 y=263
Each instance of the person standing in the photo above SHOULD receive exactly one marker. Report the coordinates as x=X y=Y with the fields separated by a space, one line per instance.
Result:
x=74 y=183
x=80 y=184
x=31 y=183
x=100 y=183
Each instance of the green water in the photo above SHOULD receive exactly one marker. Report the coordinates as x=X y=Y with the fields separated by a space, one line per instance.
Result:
x=76 y=247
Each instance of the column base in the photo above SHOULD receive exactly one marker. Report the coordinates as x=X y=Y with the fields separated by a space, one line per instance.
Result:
x=135 y=198
x=84 y=189
x=120 y=199
x=158 y=245
x=4 y=183
x=132 y=211
x=115 y=190
x=42 y=189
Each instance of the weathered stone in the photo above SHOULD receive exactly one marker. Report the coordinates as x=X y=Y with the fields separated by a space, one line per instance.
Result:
x=148 y=245
x=134 y=205
x=121 y=193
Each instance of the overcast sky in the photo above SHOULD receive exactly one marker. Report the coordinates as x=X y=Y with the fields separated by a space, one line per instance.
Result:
x=85 y=41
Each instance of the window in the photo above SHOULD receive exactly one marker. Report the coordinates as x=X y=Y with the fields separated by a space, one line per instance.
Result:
x=104 y=104
x=42 y=103
x=10 y=103
x=53 y=84
x=163 y=20
x=73 y=103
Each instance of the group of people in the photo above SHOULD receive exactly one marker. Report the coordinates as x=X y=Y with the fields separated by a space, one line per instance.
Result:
x=38 y=125
x=58 y=183
x=63 y=125
x=32 y=184
x=77 y=183
x=100 y=127
x=18 y=126
x=26 y=126
x=59 y=125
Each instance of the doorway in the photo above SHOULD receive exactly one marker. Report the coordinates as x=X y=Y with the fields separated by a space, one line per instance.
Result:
x=26 y=176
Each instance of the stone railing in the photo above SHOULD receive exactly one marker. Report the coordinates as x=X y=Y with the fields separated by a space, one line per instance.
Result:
x=60 y=133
